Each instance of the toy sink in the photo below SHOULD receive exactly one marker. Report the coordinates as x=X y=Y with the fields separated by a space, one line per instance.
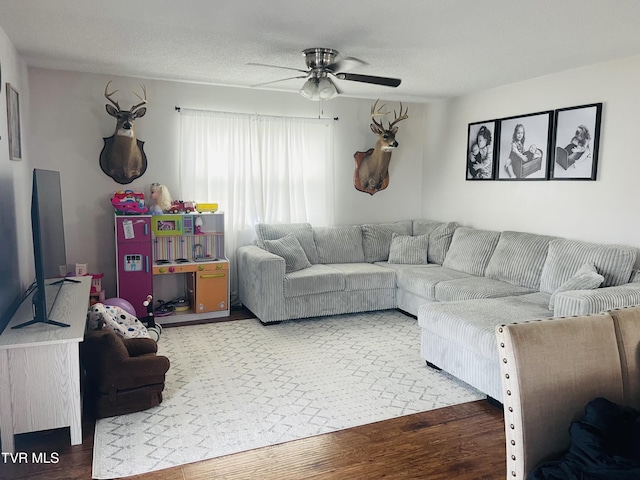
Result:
x=207 y=207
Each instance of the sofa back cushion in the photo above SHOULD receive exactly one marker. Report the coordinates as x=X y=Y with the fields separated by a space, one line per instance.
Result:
x=340 y=244
x=302 y=231
x=376 y=239
x=471 y=250
x=409 y=249
x=440 y=235
x=519 y=258
x=565 y=257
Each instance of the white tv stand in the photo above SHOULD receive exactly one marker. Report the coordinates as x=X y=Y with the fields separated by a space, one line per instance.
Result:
x=40 y=367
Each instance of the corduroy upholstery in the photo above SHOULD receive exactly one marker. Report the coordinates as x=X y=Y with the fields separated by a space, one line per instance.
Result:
x=123 y=375
x=474 y=280
x=551 y=369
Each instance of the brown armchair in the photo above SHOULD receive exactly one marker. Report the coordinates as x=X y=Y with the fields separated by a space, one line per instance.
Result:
x=122 y=375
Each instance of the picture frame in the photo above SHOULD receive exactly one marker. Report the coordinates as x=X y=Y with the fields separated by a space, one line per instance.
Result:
x=481 y=150
x=13 y=122
x=524 y=146
x=576 y=142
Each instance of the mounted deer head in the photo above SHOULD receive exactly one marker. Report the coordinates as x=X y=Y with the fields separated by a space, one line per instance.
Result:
x=123 y=157
x=372 y=167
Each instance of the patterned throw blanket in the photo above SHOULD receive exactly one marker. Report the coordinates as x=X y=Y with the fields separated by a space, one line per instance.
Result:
x=116 y=319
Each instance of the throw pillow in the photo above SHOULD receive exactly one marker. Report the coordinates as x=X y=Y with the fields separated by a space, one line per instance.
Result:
x=586 y=278
x=289 y=248
x=408 y=249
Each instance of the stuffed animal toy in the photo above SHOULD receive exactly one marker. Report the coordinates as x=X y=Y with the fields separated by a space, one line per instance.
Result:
x=161 y=198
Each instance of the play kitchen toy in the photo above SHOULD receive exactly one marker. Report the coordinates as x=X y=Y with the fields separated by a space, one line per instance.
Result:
x=157 y=252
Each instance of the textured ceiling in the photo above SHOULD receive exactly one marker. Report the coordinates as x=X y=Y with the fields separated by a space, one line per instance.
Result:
x=439 y=48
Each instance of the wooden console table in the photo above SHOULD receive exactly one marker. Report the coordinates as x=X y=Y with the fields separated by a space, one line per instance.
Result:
x=40 y=367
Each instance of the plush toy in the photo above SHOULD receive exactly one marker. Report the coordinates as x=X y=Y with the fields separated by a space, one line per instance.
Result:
x=161 y=198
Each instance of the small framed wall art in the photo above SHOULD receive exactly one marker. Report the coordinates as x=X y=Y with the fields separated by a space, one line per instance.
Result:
x=524 y=146
x=576 y=141
x=481 y=150
x=13 y=123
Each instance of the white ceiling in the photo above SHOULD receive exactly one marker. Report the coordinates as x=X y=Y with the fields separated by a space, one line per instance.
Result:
x=439 y=48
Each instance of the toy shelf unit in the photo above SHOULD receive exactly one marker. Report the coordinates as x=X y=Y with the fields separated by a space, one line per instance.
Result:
x=174 y=257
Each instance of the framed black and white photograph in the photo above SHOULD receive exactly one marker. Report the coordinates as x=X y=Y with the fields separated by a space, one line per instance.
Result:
x=481 y=150
x=576 y=140
x=524 y=146
x=13 y=123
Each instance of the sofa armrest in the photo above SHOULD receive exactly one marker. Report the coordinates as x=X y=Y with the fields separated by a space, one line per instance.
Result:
x=585 y=302
x=261 y=281
x=550 y=370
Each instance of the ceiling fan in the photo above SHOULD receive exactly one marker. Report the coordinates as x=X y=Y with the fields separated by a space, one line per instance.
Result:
x=321 y=66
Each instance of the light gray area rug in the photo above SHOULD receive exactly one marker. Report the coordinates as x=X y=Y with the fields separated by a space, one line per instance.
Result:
x=239 y=385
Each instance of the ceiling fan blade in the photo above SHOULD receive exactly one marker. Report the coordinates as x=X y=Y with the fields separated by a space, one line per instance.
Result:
x=345 y=63
x=277 y=66
x=386 y=81
x=281 y=80
x=338 y=91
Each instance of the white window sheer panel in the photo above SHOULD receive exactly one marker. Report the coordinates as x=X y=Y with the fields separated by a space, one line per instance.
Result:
x=258 y=169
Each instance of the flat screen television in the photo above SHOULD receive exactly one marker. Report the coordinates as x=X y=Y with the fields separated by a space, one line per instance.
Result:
x=49 y=254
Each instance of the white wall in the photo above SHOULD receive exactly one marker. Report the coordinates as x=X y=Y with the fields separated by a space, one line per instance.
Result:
x=69 y=121
x=602 y=211
x=15 y=176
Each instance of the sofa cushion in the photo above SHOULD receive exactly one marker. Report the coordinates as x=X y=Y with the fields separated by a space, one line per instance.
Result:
x=289 y=248
x=613 y=262
x=586 y=278
x=312 y=280
x=519 y=258
x=376 y=239
x=421 y=280
x=302 y=231
x=471 y=325
x=473 y=288
x=471 y=250
x=339 y=244
x=409 y=249
x=440 y=235
x=365 y=276
x=635 y=276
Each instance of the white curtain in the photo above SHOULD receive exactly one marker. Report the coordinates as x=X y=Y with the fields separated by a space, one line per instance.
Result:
x=259 y=169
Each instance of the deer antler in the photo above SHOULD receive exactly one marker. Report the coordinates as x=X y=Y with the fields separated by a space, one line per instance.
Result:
x=377 y=113
x=108 y=95
x=144 y=100
x=403 y=116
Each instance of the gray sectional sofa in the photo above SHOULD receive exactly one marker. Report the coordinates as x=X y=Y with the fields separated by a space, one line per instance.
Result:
x=460 y=282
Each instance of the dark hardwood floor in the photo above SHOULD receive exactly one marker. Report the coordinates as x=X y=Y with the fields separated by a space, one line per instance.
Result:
x=462 y=442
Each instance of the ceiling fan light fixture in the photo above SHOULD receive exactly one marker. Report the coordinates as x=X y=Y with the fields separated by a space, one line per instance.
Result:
x=326 y=89
x=310 y=89
x=319 y=88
